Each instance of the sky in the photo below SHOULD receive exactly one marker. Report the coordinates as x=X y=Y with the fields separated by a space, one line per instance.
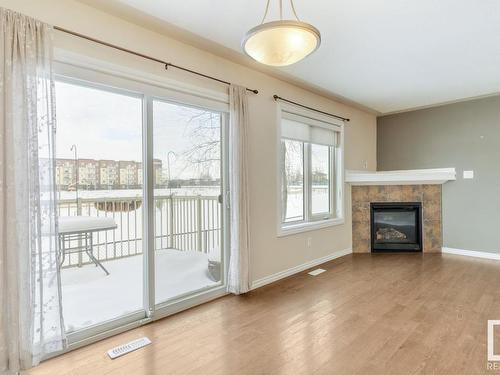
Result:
x=107 y=125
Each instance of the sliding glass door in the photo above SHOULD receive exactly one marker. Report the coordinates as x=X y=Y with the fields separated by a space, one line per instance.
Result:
x=187 y=152
x=140 y=181
x=99 y=183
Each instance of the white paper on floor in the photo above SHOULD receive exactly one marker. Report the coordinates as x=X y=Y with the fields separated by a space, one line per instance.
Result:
x=91 y=297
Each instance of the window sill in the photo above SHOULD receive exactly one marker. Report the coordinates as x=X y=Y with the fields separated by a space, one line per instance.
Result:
x=306 y=227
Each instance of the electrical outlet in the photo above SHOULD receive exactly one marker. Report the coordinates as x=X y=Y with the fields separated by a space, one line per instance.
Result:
x=309 y=241
x=365 y=164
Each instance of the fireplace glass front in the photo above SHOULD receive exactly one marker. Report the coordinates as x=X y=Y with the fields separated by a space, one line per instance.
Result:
x=396 y=227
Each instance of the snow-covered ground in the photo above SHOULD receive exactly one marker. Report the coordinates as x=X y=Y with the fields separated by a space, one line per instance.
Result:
x=91 y=297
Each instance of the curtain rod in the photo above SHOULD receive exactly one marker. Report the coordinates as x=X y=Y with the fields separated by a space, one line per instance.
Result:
x=167 y=64
x=276 y=97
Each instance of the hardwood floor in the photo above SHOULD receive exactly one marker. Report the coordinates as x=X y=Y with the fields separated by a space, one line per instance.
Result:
x=368 y=314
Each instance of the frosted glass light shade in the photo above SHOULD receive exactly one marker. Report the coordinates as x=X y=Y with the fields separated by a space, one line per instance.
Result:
x=281 y=43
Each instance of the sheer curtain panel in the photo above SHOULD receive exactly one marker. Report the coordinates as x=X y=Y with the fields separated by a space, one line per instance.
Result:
x=238 y=275
x=31 y=323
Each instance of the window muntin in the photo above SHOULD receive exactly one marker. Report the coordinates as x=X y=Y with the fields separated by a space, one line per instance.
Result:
x=318 y=198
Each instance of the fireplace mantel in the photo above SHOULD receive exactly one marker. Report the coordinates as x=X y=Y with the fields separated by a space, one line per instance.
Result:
x=436 y=176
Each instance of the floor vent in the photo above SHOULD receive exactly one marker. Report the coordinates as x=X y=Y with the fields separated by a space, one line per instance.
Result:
x=129 y=347
x=316 y=272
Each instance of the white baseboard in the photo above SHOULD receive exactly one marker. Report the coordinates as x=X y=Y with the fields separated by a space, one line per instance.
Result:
x=471 y=253
x=301 y=267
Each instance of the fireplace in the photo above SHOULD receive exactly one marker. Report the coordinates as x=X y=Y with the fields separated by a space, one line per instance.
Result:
x=396 y=226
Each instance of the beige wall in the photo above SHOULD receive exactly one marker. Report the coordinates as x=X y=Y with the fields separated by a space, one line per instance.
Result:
x=269 y=254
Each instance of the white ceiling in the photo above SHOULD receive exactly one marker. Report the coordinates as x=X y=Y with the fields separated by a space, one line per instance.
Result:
x=387 y=55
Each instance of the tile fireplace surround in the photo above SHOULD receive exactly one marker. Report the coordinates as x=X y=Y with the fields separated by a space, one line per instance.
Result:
x=428 y=195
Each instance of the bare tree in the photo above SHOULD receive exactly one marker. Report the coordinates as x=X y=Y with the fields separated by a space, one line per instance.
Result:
x=203 y=129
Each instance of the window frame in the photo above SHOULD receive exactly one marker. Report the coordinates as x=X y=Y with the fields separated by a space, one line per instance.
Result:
x=335 y=215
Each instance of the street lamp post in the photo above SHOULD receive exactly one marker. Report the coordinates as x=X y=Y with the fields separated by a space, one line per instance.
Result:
x=74 y=149
x=168 y=169
x=78 y=205
x=171 y=211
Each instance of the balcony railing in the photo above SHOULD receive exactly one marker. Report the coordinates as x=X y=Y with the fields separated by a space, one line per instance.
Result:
x=181 y=222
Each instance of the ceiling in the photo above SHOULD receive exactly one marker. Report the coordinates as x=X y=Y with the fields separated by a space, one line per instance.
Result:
x=386 y=55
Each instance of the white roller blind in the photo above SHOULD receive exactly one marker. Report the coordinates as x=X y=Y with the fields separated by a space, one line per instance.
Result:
x=307 y=132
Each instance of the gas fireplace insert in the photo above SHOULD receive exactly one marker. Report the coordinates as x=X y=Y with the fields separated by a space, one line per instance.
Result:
x=396 y=226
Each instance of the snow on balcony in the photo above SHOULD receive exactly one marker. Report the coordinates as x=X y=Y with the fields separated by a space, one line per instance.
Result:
x=90 y=297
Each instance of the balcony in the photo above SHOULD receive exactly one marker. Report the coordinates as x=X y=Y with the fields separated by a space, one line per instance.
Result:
x=187 y=235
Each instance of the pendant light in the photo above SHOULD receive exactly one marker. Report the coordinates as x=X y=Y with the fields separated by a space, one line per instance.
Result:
x=283 y=42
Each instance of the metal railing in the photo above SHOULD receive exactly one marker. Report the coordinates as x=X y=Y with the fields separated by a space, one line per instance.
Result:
x=181 y=222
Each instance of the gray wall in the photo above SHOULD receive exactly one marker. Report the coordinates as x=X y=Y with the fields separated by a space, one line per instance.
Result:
x=465 y=136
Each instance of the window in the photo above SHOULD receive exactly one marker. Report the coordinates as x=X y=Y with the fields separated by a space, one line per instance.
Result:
x=310 y=165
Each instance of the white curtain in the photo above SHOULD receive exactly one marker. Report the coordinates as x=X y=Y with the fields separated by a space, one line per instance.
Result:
x=30 y=298
x=238 y=276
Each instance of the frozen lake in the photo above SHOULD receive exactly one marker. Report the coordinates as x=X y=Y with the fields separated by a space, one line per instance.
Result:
x=116 y=193
x=294 y=199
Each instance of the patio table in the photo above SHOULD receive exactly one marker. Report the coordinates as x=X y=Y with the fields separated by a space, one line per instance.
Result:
x=81 y=229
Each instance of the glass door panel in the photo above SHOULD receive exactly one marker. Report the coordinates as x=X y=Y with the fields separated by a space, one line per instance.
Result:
x=292 y=159
x=320 y=179
x=187 y=159
x=99 y=182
